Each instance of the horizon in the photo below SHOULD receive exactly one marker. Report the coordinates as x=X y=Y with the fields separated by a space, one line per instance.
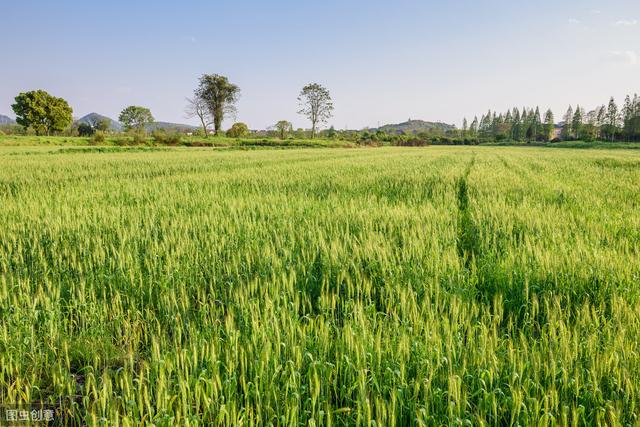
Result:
x=381 y=64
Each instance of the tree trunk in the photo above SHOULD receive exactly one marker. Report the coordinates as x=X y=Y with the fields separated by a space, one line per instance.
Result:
x=204 y=126
x=217 y=123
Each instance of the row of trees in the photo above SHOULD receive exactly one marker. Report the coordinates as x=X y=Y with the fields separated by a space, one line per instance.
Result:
x=46 y=114
x=512 y=125
x=213 y=100
x=604 y=122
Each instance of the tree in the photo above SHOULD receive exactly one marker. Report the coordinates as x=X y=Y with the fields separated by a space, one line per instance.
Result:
x=283 y=128
x=219 y=96
x=465 y=126
x=134 y=117
x=601 y=113
x=102 y=125
x=42 y=112
x=566 y=127
x=632 y=120
x=85 y=129
x=516 y=128
x=627 y=116
x=576 y=122
x=238 y=130
x=197 y=107
x=473 y=128
x=315 y=104
x=611 y=118
x=536 y=126
x=549 y=125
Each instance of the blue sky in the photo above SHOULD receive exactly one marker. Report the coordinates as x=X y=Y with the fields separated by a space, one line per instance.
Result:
x=383 y=61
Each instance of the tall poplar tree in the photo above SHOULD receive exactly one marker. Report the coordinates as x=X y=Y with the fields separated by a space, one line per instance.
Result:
x=549 y=125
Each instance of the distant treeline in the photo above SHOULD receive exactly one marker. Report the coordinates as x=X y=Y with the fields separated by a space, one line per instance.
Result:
x=214 y=99
x=606 y=122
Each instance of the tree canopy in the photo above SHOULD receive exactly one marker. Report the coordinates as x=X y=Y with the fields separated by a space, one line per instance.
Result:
x=238 y=130
x=42 y=112
x=135 y=117
x=603 y=122
x=219 y=96
x=316 y=104
x=283 y=128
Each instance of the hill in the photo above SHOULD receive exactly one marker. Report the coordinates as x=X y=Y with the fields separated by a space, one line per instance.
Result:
x=116 y=126
x=93 y=118
x=5 y=120
x=415 y=126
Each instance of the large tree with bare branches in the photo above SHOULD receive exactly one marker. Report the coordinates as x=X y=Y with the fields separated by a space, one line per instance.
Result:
x=197 y=107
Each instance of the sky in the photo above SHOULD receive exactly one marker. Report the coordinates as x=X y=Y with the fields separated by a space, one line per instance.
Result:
x=383 y=61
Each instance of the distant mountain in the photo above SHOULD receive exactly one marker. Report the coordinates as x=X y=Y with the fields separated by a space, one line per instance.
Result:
x=4 y=120
x=416 y=126
x=93 y=118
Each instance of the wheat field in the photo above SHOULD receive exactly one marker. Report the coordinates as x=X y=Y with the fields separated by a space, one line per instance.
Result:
x=321 y=287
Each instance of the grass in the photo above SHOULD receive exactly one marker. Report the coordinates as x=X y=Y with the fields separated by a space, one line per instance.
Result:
x=390 y=286
x=568 y=144
x=188 y=141
x=596 y=144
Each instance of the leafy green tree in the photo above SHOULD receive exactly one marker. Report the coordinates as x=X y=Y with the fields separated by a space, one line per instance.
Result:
x=473 y=128
x=630 y=115
x=99 y=124
x=316 y=104
x=219 y=96
x=102 y=125
x=566 y=127
x=632 y=123
x=516 y=129
x=536 y=125
x=85 y=129
x=134 y=117
x=485 y=126
x=576 y=122
x=238 y=130
x=525 y=120
x=283 y=128
x=549 y=125
x=611 y=119
x=42 y=112
x=508 y=122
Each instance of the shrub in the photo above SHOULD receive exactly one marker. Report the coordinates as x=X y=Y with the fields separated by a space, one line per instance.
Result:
x=166 y=138
x=139 y=138
x=85 y=129
x=12 y=129
x=238 y=130
x=173 y=138
x=121 y=141
x=412 y=142
x=97 y=138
